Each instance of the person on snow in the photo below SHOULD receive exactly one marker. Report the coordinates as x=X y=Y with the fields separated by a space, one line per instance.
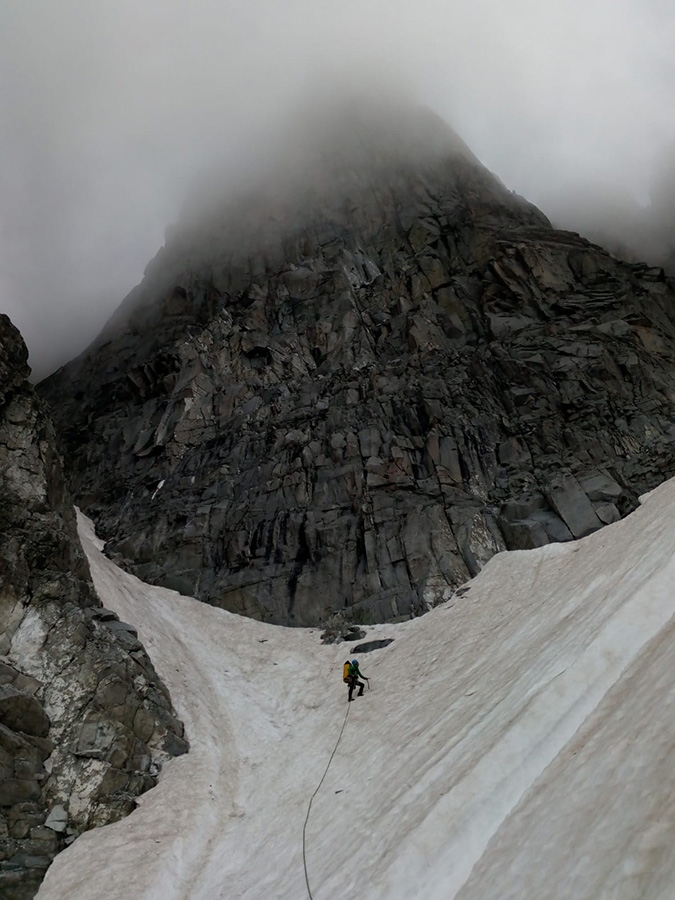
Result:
x=353 y=675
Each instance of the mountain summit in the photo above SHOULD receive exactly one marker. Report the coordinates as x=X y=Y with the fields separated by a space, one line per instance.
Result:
x=343 y=386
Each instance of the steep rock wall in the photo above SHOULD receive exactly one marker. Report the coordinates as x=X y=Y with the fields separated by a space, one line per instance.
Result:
x=85 y=721
x=342 y=396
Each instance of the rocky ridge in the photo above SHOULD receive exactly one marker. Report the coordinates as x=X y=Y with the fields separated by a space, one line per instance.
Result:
x=336 y=397
x=85 y=721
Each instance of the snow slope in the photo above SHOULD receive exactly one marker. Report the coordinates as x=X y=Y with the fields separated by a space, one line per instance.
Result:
x=518 y=742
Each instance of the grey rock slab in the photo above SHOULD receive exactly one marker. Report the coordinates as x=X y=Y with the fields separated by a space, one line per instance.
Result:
x=572 y=505
x=523 y=506
x=22 y=712
x=118 y=627
x=556 y=529
x=601 y=487
x=57 y=819
x=525 y=535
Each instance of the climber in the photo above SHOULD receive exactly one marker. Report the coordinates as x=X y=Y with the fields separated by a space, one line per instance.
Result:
x=352 y=678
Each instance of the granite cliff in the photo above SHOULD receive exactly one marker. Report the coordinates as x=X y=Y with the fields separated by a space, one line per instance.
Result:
x=85 y=721
x=339 y=392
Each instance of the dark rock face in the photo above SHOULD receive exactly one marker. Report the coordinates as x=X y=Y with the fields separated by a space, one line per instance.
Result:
x=85 y=721
x=344 y=395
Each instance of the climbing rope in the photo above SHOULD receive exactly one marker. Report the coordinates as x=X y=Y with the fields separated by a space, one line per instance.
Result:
x=311 y=800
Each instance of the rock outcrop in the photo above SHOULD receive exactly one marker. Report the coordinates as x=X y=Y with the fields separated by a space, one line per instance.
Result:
x=85 y=721
x=343 y=392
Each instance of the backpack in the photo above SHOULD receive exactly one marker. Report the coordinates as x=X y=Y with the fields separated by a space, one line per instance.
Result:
x=345 y=672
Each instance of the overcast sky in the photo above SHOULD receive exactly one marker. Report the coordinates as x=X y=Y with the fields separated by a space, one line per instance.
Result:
x=109 y=108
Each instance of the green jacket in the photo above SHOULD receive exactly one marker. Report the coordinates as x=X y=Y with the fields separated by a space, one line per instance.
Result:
x=355 y=673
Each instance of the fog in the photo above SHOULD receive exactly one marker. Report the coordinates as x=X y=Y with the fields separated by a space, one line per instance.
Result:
x=110 y=110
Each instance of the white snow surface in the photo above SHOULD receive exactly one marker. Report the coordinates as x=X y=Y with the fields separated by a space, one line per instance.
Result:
x=518 y=742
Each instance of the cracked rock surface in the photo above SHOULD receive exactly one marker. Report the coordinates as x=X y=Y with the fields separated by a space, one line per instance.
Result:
x=342 y=393
x=85 y=722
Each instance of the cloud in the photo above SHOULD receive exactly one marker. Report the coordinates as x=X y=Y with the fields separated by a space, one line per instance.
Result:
x=109 y=110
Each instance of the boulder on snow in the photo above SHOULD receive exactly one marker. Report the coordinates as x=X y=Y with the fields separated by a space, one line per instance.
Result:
x=340 y=635
x=373 y=645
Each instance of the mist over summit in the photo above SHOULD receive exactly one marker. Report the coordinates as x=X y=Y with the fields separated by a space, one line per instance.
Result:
x=309 y=172
x=109 y=113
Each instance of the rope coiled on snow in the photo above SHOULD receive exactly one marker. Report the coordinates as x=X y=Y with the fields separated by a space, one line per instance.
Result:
x=311 y=800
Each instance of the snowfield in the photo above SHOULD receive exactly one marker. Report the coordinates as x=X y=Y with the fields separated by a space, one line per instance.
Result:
x=518 y=742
